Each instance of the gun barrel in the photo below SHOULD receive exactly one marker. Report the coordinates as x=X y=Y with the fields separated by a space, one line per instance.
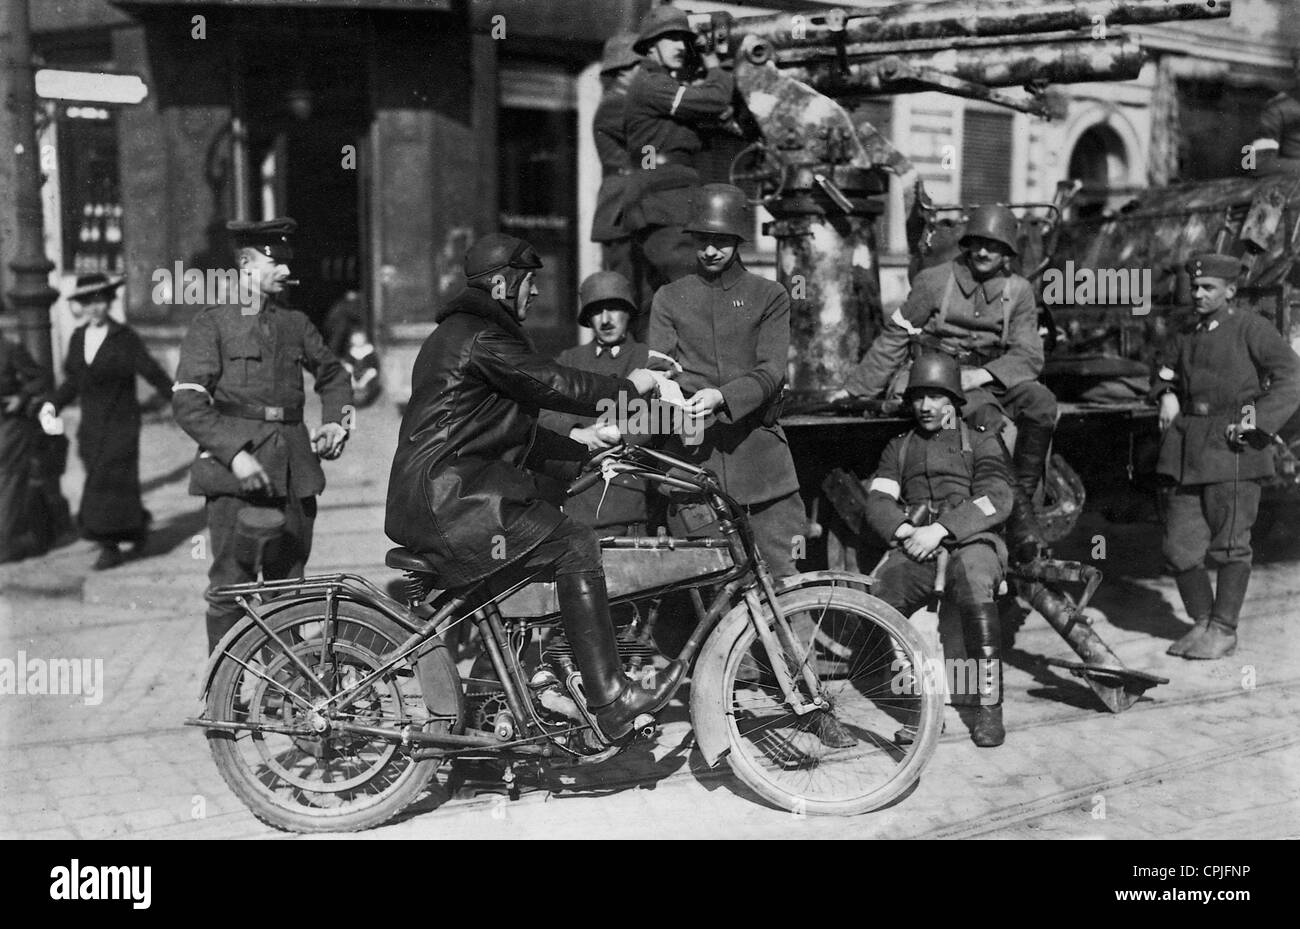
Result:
x=1011 y=66
x=963 y=19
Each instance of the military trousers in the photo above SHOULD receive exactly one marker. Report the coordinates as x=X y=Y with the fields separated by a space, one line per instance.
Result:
x=1026 y=402
x=283 y=557
x=975 y=572
x=661 y=255
x=1208 y=520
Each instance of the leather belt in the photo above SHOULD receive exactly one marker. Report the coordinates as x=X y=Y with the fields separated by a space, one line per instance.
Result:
x=269 y=414
x=671 y=158
x=1204 y=409
x=611 y=172
x=972 y=359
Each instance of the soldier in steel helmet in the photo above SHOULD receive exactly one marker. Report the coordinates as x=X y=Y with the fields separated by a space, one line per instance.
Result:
x=946 y=485
x=665 y=111
x=239 y=394
x=607 y=308
x=1216 y=414
x=978 y=311
x=729 y=330
x=475 y=484
x=617 y=65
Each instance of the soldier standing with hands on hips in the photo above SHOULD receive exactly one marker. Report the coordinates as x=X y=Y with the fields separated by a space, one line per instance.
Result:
x=1216 y=417
x=239 y=394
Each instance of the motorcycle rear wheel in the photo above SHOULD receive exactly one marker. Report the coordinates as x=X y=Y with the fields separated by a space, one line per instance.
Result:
x=308 y=781
x=862 y=652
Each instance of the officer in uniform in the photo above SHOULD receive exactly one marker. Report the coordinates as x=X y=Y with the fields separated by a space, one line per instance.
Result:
x=730 y=332
x=616 y=68
x=608 y=308
x=1277 y=140
x=239 y=394
x=665 y=110
x=962 y=479
x=1215 y=420
x=977 y=310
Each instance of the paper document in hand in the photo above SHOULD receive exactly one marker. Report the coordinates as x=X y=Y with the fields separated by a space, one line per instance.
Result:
x=670 y=391
x=658 y=361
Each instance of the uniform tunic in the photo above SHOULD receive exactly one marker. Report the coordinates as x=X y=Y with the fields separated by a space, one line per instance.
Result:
x=108 y=439
x=625 y=503
x=1218 y=368
x=611 y=147
x=732 y=332
x=233 y=364
x=663 y=116
x=970 y=492
x=950 y=311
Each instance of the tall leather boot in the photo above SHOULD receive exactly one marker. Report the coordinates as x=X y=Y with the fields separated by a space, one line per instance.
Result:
x=614 y=699
x=983 y=639
x=1033 y=441
x=1198 y=599
x=1025 y=542
x=1220 y=638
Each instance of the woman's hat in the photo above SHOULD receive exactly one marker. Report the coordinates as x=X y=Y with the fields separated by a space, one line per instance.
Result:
x=94 y=285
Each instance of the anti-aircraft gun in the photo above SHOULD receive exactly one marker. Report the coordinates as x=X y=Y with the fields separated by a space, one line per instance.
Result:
x=820 y=172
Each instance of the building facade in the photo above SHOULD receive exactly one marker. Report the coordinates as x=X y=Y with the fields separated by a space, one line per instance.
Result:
x=396 y=131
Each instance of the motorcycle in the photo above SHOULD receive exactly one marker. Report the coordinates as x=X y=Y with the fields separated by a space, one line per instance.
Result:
x=331 y=706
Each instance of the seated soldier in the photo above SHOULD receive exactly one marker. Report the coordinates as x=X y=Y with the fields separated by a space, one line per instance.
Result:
x=607 y=308
x=962 y=477
x=978 y=311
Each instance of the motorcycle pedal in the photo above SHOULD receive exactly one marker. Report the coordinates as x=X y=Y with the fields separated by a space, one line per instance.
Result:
x=645 y=726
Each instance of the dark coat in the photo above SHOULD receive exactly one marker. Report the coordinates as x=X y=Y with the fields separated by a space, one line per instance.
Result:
x=229 y=357
x=625 y=501
x=611 y=147
x=663 y=116
x=475 y=483
x=22 y=377
x=733 y=333
x=108 y=439
x=1220 y=366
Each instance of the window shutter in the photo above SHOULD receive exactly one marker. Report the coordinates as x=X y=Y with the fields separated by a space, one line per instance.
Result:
x=986 y=158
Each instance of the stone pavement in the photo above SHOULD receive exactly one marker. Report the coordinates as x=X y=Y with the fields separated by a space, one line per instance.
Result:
x=1212 y=754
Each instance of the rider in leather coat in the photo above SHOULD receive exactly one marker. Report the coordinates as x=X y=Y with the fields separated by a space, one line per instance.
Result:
x=476 y=483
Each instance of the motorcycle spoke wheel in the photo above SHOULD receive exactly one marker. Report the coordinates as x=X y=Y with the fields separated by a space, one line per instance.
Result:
x=847 y=758
x=308 y=775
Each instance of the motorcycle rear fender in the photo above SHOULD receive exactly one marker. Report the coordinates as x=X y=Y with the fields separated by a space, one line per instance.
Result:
x=439 y=679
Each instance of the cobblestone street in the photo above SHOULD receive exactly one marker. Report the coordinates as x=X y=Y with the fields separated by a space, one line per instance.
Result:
x=1171 y=767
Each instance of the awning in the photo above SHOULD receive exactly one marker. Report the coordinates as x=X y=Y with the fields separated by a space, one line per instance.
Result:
x=434 y=6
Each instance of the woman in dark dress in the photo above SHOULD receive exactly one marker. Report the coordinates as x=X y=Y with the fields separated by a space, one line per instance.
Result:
x=104 y=359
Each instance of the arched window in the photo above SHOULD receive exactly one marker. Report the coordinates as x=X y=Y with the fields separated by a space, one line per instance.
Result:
x=1100 y=159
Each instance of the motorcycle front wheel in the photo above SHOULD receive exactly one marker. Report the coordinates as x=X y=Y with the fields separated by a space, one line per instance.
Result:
x=296 y=771
x=882 y=721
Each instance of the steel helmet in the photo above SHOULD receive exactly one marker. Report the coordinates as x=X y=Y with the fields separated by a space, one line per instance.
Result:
x=720 y=209
x=995 y=222
x=604 y=287
x=659 y=22
x=496 y=252
x=619 y=53
x=936 y=371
